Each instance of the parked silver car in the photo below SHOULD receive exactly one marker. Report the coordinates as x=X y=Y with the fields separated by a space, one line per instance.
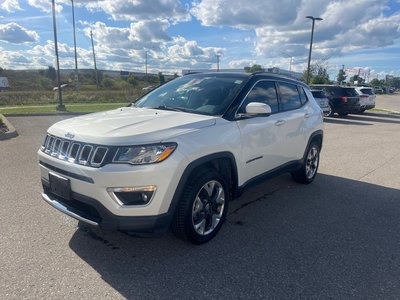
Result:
x=322 y=101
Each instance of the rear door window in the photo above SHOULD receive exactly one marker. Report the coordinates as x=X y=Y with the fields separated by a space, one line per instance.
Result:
x=290 y=98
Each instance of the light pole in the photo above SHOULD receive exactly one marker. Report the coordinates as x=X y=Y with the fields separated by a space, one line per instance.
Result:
x=311 y=41
x=218 y=55
x=94 y=59
x=60 y=105
x=146 y=63
x=291 y=59
x=76 y=57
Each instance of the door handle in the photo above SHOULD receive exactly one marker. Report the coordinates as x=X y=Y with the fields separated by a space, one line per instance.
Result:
x=280 y=122
x=307 y=115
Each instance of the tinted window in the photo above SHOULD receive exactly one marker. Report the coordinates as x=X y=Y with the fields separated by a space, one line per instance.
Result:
x=264 y=92
x=318 y=94
x=209 y=94
x=289 y=96
x=303 y=95
x=350 y=92
x=367 y=91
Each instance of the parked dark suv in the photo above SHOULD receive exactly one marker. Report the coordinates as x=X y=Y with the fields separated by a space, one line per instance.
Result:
x=343 y=100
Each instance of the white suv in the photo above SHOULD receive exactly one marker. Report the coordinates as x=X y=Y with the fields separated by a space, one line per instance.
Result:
x=367 y=97
x=177 y=156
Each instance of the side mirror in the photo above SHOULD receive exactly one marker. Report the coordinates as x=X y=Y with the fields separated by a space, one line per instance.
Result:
x=258 y=109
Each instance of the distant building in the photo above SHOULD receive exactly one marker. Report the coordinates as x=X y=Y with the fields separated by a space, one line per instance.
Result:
x=4 y=83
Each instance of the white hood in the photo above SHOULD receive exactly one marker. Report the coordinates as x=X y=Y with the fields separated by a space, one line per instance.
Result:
x=130 y=126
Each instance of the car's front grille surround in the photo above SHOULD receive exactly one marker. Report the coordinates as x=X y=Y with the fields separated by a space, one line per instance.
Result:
x=75 y=152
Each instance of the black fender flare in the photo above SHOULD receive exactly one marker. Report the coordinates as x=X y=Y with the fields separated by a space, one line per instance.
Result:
x=198 y=163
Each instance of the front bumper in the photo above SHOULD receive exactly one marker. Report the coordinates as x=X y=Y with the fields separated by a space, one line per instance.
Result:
x=92 y=203
x=91 y=212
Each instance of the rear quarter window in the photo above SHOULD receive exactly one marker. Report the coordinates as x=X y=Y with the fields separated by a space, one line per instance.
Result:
x=367 y=91
x=349 y=92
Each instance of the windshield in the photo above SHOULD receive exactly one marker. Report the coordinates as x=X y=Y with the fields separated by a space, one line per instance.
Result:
x=208 y=94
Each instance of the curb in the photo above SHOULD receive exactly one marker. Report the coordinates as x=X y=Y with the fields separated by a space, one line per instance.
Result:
x=11 y=130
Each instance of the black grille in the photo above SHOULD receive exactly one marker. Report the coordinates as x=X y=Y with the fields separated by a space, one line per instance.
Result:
x=75 y=152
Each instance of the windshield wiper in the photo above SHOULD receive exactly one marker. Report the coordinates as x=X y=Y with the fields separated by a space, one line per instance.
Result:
x=164 y=107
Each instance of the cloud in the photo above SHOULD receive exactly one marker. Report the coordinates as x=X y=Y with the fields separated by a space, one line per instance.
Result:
x=16 y=34
x=139 y=36
x=237 y=14
x=10 y=5
x=44 y=5
x=282 y=29
x=241 y=63
x=134 y=10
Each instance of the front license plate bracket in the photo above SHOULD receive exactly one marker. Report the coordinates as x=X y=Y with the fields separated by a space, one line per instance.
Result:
x=60 y=186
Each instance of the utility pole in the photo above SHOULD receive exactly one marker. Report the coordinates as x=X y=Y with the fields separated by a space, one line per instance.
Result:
x=94 y=59
x=146 y=64
x=60 y=105
x=311 y=42
x=76 y=56
x=218 y=55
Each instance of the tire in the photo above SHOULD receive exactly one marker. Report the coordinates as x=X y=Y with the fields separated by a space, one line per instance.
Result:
x=362 y=111
x=330 y=112
x=203 y=208
x=343 y=114
x=306 y=174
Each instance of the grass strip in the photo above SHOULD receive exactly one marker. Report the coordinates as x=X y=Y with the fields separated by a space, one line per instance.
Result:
x=78 y=108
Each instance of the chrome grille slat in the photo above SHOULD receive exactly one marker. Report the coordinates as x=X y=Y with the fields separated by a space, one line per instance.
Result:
x=98 y=156
x=74 y=152
x=85 y=154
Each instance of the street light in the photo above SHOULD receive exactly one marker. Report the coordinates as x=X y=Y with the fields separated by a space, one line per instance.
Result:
x=76 y=57
x=291 y=59
x=218 y=55
x=60 y=105
x=311 y=41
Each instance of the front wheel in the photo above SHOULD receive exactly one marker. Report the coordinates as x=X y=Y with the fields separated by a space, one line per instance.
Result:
x=306 y=174
x=202 y=209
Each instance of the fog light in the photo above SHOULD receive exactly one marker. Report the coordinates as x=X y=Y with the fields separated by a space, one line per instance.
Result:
x=130 y=196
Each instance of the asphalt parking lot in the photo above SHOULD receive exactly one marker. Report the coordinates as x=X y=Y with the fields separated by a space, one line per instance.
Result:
x=336 y=238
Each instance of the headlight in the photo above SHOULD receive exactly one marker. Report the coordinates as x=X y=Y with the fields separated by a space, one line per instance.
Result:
x=146 y=154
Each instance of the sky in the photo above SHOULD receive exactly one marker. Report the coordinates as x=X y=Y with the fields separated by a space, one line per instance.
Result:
x=189 y=34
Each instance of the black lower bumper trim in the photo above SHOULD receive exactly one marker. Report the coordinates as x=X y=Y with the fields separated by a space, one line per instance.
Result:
x=90 y=209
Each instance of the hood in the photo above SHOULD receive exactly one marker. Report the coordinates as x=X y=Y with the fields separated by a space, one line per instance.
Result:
x=130 y=126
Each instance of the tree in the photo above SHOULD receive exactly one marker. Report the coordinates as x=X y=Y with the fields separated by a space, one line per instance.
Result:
x=132 y=80
x=1 y=71
x=341 y=77
x=396 y=82
x=318 y=74
x=176 y=75
x=108 y=82
x=357 y=78
x=253 y=68
x=51 y=73
x=376 y=82
x=161 y=78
